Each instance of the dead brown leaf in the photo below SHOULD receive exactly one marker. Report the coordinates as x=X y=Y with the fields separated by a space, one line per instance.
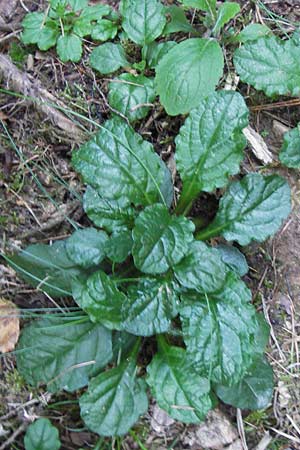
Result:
x=9 y=325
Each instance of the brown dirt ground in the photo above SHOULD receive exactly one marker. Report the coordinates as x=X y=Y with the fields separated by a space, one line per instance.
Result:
x=27 y=209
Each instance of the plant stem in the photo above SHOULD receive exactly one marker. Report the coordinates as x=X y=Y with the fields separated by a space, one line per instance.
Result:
x=207 y=233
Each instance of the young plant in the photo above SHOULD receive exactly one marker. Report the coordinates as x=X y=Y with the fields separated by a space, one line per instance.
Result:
x=144 y=270
x=65 y=23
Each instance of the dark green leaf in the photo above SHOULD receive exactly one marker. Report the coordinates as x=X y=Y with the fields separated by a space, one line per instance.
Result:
x=63 y=352
x=219 y=331
x=290 y=150
x=160 y=240
x=202 y=269
x=46 y=266
x=177 y=387
x=121 y=166
x=254 y=391
x=252 y=32
x=112 y=215
x=154 y=52
x=104 y=30
x=42 y=435
x=251 y=209
x=143 y=20
x=226 y=12
x=187 y=73
x=69 y=48
x=86 y=248
x=114 y=400
x=150 y=307
x=233 y=258
x=177 y=21
x=209 y=147
x=131 y=95
x=122 y=344
x=271 y=65
x=100 y=298
x=119 y=246
x=108 y=58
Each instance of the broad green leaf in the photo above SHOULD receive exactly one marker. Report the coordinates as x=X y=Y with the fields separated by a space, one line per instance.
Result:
x=205 y=5
x=154 y=52
x=254 y=391
x=63 y=352
x=82 y=27
x=226 y=12
x=131 y=95
x=119 y=164
x=112 y=215
x=251 y=210
x=150 y=306
x=177 y=387
x=104 y=30
x=219 y=331
x=114 y=400
x=271 y=65
x=160 y=240
x=77 y=5
x=95 y=12
x=86 y=248
x=108 y=58
x=233 y=258
x=177 y=21
x=201 y=269
x=187 y=73
x=209 y=147
x=47 y=267
x=252 y=32
x=69 y=48
x=99 y=296
x=119 y=246
x=42 y=435
x=47 y=38
x=143 y=20
x=290 y=150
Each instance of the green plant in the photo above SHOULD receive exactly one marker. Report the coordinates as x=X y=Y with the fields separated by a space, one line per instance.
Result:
x=144 y=269
x=65 y=23
x=42 y=435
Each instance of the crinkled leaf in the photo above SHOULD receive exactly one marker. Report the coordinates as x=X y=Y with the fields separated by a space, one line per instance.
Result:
x=42 y=435
x=108 y=58
x=86 y=248
x=187 y=73
x=69 y=48
x=99 y=296
x=226 y=12
x=131 y=94
x=201 y=269
x=177 y=387
x=154 y=52
x=254 y=391
x=290 y=150
x=112 y=215
x=63 y=352
x=150 y=306
x=233 y=258
x=251 y=209
x=271 y=65
x=77 y=5
x=252 y=32
x=160 y=240
x=119 y=164
x=143 y=20
x=114 y=400
x=209 y=147
x=46 y=266
x=104 y=30
x=177 y=21
x=219 y=331
x=119 y=246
